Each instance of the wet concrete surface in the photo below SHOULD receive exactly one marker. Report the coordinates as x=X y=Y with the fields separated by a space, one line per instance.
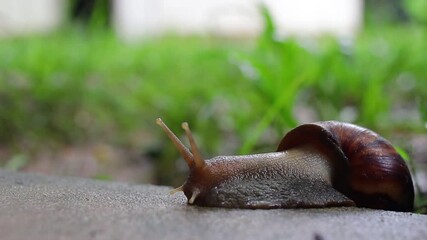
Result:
x=40 y=207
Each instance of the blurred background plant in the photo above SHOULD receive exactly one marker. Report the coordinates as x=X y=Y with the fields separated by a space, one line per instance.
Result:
x=81 y=102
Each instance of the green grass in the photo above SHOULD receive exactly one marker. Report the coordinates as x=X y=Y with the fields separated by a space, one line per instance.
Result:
x=72 y=86
x=366 y=80
x=77 y=86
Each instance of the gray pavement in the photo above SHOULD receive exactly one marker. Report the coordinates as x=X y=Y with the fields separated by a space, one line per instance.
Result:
x=40 y=207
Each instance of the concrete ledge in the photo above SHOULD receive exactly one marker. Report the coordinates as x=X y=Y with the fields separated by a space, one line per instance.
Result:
x=40 y=207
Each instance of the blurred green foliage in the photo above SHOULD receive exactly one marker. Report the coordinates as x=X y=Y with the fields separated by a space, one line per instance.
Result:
x=417 y=10
x=83 y=85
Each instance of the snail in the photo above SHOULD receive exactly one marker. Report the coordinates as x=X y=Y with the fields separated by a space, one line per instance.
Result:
x=321 y=164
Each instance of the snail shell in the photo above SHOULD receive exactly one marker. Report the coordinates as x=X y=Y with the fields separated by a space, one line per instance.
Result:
x=368 y=169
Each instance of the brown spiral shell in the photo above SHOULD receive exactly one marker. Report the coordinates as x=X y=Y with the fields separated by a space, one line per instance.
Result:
x=366 y=167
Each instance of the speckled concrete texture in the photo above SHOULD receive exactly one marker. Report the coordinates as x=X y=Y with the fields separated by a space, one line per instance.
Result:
x=40 y=207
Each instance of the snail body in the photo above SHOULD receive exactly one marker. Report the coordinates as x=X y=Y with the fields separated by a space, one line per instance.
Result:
x=323 y=164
